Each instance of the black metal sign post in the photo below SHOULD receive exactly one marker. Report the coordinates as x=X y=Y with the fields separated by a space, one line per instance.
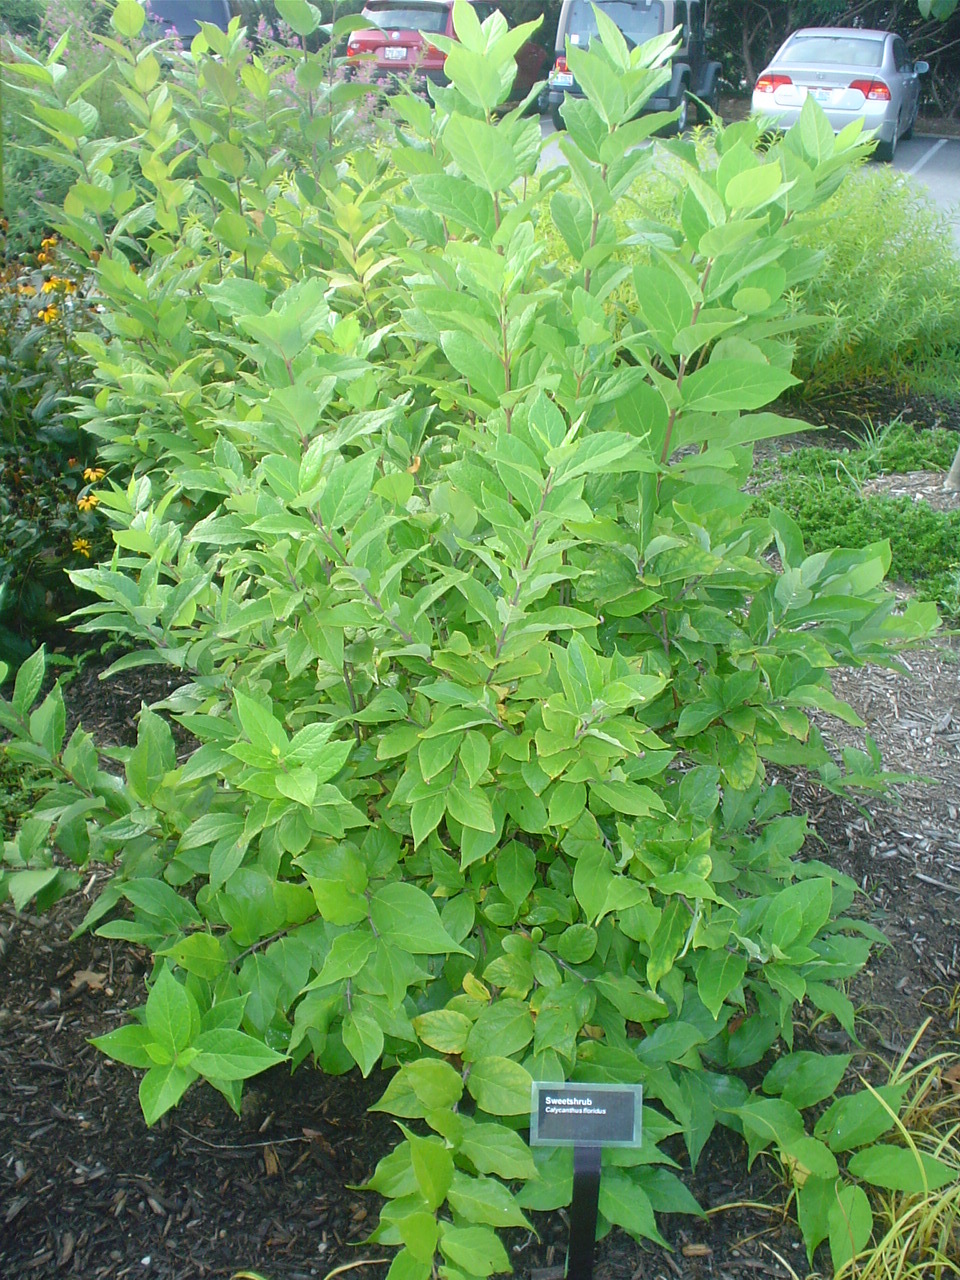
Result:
x=583 y=1212
x=587 y=1117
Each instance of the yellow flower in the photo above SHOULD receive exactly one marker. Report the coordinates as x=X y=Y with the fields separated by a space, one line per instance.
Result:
x=88 y=502
x=93 y=474
x=48 y=313
x=58 y=282
x=43 y=257
x=48 y=242
x=82 y=546
x=27 y=290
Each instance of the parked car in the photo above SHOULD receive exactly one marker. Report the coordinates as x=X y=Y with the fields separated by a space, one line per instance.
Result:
x=402 y=41
x=853 y=74
x=185 y=16
x=639 y=20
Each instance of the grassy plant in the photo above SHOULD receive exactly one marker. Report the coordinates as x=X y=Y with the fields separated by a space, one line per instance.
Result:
x=889 y=290
x=916 y=1225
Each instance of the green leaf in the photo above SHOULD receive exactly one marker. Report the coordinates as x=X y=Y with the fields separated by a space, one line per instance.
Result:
x=348 y=953
x=127 y=20
x=470 y=807
x=850 y=1222
x=625 y=1204
x=500 y=1086
x=482 y=152
x=577 y=944
x=803 y=1079
x=198 y=953
x=301 y=17
x=484 y=1200
x=421 y=1087
x=443 y=1029
x=493 y=1148
x=503 y=1027
x=224 y=1054
x=516 y=871
x=860 y=1118
x=404 y=915
x=172 y=1014
x=475 y=1251
x=362 y=1037
x=719 y=973
x=805 y=1157
x=162 y=1088
x=897 y=1169
x=475 y=756
x=127 y=1045
x=23 y=886
x=432 y=1166
x=28 y=682
x=734 y=384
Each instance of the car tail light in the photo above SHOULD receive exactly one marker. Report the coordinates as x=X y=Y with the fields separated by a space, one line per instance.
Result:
x=432 y=51
x=770 y=83
x=875 y=90
x=560 y=64
x=353 y=48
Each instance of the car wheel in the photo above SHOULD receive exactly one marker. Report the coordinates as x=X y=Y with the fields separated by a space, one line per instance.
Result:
x=557 y=119
x=885 y=150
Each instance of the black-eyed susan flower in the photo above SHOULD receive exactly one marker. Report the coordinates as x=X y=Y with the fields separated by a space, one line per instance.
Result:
x=47 y=314
x=82 y=547
x=93 y=474
x=88 y=502
x=27 y=290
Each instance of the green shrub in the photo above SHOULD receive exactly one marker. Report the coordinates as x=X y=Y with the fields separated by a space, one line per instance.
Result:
x=485 y=660
x=889 y=290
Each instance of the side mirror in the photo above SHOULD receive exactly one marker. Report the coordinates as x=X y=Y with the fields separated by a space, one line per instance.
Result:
x=921 y=68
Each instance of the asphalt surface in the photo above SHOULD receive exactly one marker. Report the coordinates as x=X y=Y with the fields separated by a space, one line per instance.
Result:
x=934 y=163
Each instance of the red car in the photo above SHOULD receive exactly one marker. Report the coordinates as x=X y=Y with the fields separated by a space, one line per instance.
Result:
x=398 y=46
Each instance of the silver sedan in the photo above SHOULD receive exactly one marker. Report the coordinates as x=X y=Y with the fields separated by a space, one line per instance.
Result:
x=852 y=74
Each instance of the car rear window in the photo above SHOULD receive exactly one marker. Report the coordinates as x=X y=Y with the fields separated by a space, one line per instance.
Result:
x=408 y=17
x=637 y=21
x=185 y=14
x=832 y=51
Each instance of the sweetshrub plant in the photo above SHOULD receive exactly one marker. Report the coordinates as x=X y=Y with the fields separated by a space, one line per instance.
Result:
x=485 y=662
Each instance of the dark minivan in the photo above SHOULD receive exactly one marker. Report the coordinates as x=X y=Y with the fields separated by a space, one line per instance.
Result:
x=639 y=20
x=184 y=16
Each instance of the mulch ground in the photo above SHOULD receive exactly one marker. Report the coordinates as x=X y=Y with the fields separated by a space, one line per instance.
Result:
x=86 y=1190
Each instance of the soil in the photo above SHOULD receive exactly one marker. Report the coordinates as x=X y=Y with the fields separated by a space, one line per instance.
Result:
x=87 y=1191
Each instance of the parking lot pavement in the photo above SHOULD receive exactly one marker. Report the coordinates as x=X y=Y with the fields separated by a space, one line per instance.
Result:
x=935 y=164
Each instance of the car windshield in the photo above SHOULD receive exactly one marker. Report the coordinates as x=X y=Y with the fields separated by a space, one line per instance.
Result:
x=185 y=14
x=636 y=20
x=832 y=51
x=408 y=17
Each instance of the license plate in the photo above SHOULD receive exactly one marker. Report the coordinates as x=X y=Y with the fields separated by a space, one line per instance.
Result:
x=819 y=95
x=394 y=54
x=563 y=80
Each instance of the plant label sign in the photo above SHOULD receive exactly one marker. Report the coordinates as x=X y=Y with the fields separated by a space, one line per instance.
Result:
x=585 y=1115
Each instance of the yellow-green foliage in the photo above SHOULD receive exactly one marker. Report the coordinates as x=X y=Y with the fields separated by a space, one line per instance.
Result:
x=889 y=290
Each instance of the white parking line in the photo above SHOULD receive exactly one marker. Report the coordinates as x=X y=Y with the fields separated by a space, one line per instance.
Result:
x=927 y=156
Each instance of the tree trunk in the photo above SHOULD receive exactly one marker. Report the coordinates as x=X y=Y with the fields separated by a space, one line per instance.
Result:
x=952 y=482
